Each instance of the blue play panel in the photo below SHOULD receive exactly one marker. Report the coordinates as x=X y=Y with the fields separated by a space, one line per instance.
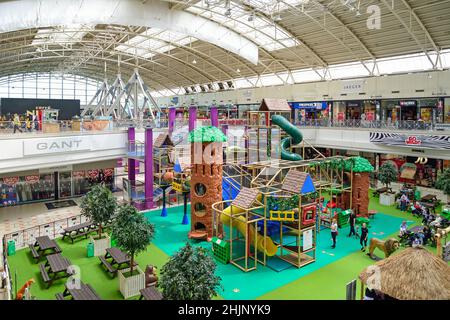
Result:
x=171 y=235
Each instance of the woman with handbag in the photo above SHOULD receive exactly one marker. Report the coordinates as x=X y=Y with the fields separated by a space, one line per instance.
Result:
x=334 y=232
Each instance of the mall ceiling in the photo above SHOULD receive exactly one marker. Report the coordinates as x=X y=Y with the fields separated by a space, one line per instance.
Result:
x=288 y=35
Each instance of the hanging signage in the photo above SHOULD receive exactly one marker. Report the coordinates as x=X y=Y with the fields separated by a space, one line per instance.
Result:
x=10 y=181
x=108 y=172
x=92 y=173
x=370 y=116
x=404 y=140
x=32 y=179
x=55 y=145
x=353 y=104
x=353 y=86
x=309 y=105
x=55 y=169
x=341 y=116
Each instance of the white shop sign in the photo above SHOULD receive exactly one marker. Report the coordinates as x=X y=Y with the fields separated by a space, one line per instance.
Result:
x=354 y=86
x=54 y=169
x=33 y=147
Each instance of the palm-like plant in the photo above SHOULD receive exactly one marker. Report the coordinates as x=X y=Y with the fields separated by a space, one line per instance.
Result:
x=387 y=173
x=443 y=183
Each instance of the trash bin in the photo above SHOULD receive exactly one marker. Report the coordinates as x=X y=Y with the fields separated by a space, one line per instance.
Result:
x=417 y=195
x=90 y=250
x=11 y=247
x=113 y=243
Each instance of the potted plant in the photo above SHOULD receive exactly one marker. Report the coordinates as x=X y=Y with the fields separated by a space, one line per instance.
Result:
x=386 y=175
x=99 y=206
x=133 y=233
x=189 y=275
x=443 y=183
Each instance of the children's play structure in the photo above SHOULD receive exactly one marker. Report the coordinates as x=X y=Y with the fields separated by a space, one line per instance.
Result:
x=269 y=207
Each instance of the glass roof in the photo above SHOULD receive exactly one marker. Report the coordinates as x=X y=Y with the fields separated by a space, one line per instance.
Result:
x=256 y=28
x=272 y=6
x=143 y=46
x=63 y=34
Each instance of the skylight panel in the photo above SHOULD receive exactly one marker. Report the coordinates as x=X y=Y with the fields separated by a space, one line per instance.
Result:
x=63 y=34
x=256 y=28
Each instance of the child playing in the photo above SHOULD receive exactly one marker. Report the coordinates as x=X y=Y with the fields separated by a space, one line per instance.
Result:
x=364 y=237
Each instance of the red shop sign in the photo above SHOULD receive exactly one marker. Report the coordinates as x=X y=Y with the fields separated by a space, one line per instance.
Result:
x=32 y=179
x=10 y=181
x=78 y=174
x=109 y=172
x=413 y=140
x=93 y=173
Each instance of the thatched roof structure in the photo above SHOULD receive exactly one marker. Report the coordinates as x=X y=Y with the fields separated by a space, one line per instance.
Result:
x=412 y=274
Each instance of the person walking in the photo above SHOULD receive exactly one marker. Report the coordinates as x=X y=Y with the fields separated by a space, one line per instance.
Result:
x=334 y=232
x=352 y=221
x=364 y=237
x=17 y=123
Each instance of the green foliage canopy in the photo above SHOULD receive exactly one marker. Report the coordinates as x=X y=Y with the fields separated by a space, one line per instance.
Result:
x=190 y=275
x=443 y=182
x=132 y=232
x=387 y=173
x=99 y=205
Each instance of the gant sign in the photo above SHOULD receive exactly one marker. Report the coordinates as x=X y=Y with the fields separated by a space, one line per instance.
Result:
x=55 y=145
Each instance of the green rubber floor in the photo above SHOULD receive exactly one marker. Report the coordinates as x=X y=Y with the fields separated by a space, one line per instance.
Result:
x=324 y=279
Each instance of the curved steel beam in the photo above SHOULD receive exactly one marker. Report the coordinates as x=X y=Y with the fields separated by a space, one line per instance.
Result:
x=23 y=14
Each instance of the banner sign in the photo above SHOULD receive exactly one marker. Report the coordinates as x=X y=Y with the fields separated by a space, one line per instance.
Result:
x=309 y=105
x=416 y=141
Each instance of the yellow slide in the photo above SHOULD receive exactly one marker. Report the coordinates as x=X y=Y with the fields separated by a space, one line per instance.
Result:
x=270 y=249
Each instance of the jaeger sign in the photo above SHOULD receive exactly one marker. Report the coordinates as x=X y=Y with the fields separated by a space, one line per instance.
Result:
x=55 y=145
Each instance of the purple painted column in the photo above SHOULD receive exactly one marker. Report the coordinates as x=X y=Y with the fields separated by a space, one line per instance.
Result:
x=172 y=113
x=214 y=116
x=131 y=148
x=192 y=117
x=148 y=168
x=225 y=129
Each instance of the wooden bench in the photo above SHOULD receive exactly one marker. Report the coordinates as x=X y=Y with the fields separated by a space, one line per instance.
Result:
x=44 y=274
x=34 y=253
x=107 y=265
x=59 y=296
x=80 y=230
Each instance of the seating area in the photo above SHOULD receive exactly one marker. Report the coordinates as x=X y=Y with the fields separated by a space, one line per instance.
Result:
x=78 y=231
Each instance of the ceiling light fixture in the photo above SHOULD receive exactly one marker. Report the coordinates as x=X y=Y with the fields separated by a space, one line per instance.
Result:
x=194 y=61
x=238 y=70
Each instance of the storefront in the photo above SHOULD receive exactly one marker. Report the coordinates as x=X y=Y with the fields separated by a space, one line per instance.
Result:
x=228 y=112
x=427 y=110
x=415 y=170
x=356 y=110
x=54 y=183
x=304 y=111
x=243 y=110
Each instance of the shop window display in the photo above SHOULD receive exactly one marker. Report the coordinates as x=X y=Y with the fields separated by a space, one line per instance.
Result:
x=25 y=189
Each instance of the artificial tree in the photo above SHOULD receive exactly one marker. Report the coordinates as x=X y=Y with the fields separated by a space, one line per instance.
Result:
x=99 y=205
x=189 y=275
x=387 y=173
x=132 y=232
x=443 y=183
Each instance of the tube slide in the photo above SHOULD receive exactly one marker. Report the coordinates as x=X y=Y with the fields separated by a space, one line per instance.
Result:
x=296 y=137
x=270 y=249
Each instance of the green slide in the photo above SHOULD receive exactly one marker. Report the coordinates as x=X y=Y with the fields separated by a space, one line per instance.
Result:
x=295 y=137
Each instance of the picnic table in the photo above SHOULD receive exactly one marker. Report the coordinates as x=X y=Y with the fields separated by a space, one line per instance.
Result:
x=79 y=230
x=150 y=293
x=43 y=246
x=81 y=291
x=429 y=198
x=56 y=267
x=372 y=213
x=115 y=260
x=379 y=191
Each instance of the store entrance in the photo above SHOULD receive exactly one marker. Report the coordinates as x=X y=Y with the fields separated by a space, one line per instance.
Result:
x=408 y=113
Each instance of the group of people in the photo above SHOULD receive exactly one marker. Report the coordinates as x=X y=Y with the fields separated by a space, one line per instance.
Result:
x=16 y=121
x=363 y=236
